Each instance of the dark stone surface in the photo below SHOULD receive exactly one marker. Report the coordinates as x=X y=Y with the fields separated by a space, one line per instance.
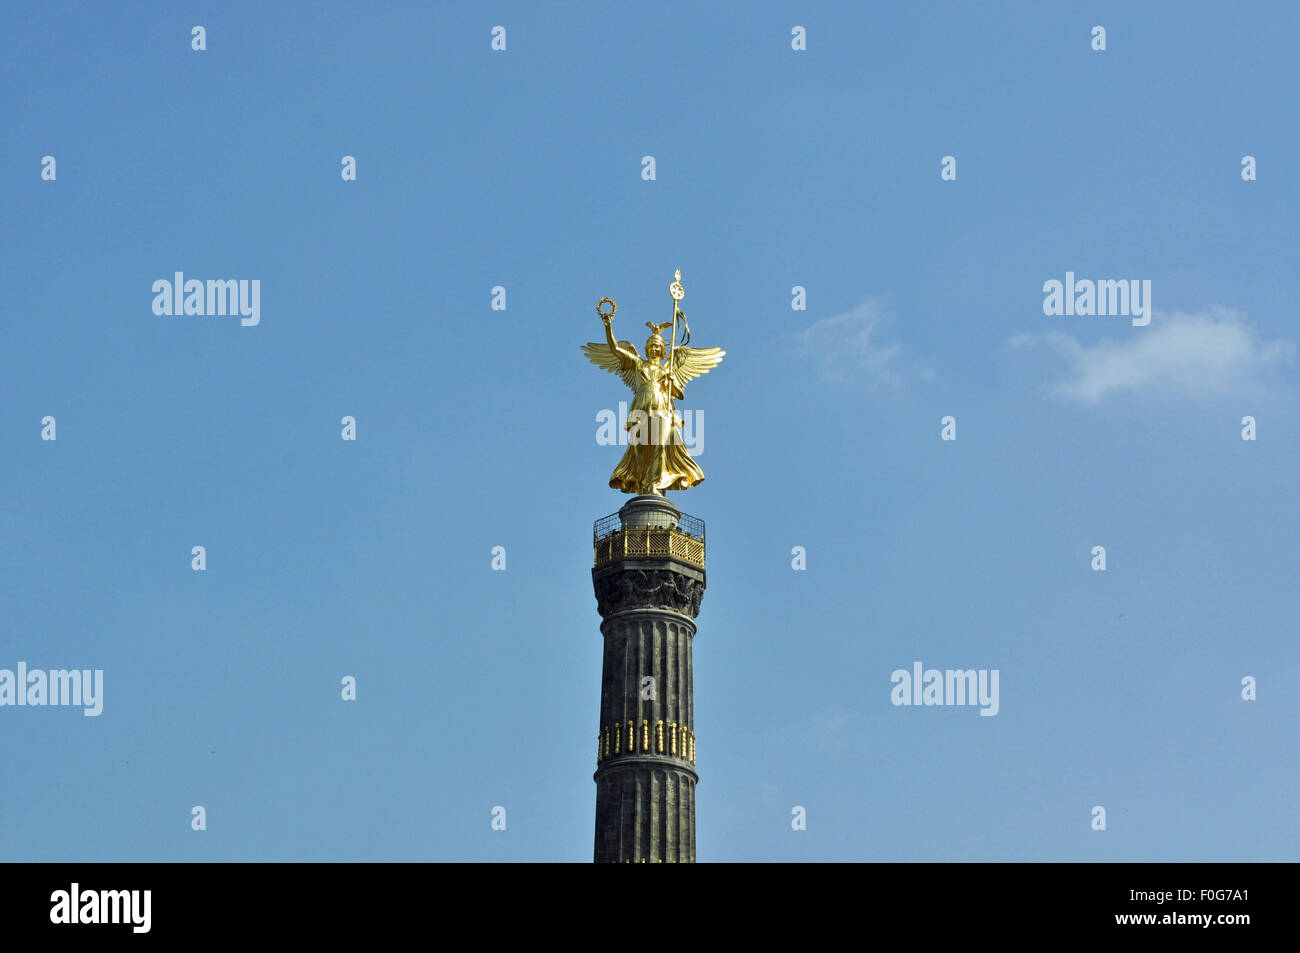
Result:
x=648 y=583
x=645 y=800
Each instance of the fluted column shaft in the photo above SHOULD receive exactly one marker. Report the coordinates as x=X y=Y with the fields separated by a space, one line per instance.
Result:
x=645 y=779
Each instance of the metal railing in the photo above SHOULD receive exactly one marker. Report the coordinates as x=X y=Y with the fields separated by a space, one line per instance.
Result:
x=684 y=541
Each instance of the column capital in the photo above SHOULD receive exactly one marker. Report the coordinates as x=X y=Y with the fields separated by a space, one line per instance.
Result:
x=648 y=584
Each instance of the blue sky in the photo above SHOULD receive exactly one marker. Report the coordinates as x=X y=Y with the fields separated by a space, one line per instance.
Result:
x=476 y=428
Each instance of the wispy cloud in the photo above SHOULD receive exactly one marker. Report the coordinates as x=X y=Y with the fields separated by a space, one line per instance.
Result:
x=847 y=349
x=1204 y=354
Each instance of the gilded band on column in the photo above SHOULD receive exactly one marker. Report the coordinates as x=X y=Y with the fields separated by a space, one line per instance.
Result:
x=669 y=738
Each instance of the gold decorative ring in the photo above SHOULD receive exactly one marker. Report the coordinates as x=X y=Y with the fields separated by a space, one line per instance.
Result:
x=613 y=308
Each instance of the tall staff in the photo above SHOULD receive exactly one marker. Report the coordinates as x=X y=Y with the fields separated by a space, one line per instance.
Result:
x=678 y=293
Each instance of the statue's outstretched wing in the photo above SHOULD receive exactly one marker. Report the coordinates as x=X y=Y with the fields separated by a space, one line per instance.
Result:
x=599 y=353
x=690 y=362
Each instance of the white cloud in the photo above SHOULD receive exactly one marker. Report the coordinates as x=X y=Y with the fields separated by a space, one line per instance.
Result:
x=843 y=345
x=1208 y=353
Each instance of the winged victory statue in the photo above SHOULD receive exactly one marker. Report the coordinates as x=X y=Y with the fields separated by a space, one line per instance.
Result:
x=656 y=459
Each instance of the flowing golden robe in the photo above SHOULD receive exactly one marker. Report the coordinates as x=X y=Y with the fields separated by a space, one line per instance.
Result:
x=656 y=458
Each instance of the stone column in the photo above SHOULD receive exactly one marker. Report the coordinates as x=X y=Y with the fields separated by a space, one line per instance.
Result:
x=649 y=580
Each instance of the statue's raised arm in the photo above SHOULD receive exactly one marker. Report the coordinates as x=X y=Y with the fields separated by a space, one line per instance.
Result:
x=617 y=357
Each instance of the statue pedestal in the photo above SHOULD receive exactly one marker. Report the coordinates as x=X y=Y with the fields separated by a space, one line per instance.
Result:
x=642 y=512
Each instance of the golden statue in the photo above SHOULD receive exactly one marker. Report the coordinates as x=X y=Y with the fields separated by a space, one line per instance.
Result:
x=656 y=459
